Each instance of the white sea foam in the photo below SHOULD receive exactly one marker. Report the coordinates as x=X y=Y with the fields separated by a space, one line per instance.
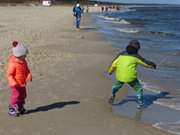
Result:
x=114 y=20
x=128 y=30
x=101 y=16
x=171 y=127
x=175 y=106
x=151 y=88
x=122 y=21
x=107 y=18
x=127 y=9
x=155 y=89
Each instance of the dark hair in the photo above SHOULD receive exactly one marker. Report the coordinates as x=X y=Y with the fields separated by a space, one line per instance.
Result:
x=133 y=47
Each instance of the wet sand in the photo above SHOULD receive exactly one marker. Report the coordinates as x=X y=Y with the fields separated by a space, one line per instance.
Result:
x=69 y=91
x=159 y=116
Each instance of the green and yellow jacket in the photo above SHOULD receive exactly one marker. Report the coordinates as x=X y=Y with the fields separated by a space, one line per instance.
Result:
x=125 y=67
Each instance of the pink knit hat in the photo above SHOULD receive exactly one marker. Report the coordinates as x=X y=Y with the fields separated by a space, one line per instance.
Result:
x=19 y=49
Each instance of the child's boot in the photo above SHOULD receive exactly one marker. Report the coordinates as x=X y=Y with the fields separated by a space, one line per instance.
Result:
x=13 y=111
x=22 y=110
x=111 y=99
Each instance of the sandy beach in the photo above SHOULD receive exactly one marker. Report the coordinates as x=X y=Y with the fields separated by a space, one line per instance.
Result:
x=69 y=91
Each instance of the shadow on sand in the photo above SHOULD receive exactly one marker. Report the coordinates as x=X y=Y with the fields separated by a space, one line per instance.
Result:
x=88 y=28
x=148 y=98
x=57 y=105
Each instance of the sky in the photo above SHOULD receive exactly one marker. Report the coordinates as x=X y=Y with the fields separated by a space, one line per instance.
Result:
x=146 y=1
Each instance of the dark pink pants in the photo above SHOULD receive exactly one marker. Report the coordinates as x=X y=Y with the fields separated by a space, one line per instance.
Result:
x=18 y=95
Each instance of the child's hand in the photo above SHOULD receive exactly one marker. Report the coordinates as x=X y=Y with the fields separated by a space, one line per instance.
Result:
x=154 y=65
x=110 y=73
x=29 y=77
x=15 y=85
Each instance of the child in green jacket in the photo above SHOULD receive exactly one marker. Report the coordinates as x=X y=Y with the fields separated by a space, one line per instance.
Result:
x=125 y=65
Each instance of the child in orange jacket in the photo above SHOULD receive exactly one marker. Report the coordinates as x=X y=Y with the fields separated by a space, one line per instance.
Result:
x=17 y=74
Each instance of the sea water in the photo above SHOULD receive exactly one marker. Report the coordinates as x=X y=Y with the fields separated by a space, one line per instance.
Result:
x=158 y=30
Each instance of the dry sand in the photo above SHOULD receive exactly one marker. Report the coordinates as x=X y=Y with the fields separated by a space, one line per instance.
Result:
x=69 y=91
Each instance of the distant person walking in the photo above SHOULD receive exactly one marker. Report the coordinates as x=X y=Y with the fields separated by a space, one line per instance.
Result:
x=17 y=74
x=102 y=9
x=77 y=11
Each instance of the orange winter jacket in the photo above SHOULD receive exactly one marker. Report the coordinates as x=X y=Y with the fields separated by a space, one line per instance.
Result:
x=18 y=72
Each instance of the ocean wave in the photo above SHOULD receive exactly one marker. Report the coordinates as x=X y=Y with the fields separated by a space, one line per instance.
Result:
x=122 y=21
x=114 y=20
x=128 y=30
x=151 y=88
x=127 y=9
x=157 y=33
x=174 y=106
x=171 y=127
x=108 y=18
x=156 y=90
x=140 y=22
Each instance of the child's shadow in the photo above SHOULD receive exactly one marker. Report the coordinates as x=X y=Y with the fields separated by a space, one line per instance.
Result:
x=148 y=98
x=57 y=105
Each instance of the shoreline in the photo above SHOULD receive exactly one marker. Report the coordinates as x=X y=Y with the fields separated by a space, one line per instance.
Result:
x=153 y=104
x=69 y=91
x=152 y=113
